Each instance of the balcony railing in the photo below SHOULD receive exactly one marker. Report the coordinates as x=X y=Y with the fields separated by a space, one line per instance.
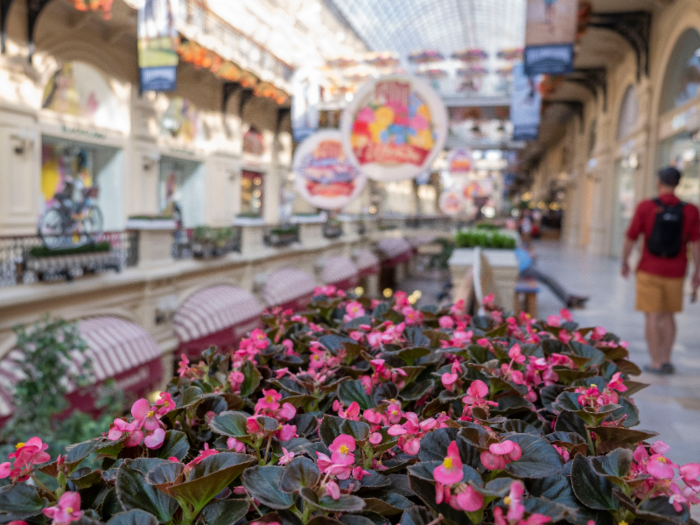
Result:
x=205 y=242
x=24 y=260
x=281 y=235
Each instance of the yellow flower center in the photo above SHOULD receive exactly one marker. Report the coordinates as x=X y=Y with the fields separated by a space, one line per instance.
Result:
x=447 y=463
x=20 y=445
x=69 y=510
x=150 y=413
x=594 y=386
x=269 y=399
x=344 y=449
x=507 y=500
x=395 y=413
x=623 y=523
x=662 y=459
x=316 y=357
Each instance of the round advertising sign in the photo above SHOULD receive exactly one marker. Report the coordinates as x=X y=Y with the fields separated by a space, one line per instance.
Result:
x=394 y=128
x=323 y=176
x=451 y=202
x=460 y=161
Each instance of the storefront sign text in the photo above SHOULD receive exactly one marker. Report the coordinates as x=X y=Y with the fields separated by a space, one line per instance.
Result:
x=88 y=133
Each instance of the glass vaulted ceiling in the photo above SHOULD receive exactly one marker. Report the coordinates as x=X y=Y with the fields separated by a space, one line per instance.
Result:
x=447 y=26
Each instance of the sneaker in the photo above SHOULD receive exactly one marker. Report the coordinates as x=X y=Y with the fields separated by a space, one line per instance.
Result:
x=668 y=368
x=656 y=371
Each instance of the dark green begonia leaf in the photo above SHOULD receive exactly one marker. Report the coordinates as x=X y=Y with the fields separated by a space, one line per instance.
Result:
x=174 y=445
x=388 y=504
x=539 y=458
x=416 y=515
x=263 y=483
x=299 y=473
x=19 y=501
x=133 y=517
x=134 y=492
x=592 y=489
x=354 y=391
x=224 y=512
x=346 y=502
x=623 y=435
x=332 y=427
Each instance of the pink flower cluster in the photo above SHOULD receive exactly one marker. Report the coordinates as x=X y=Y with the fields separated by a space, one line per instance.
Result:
x=476 y=398
x=500 y=454
x=341 y=465
x=25 y=457
x=146 y=426
x=593 y=397
x=66 y=510
x=659 y=476
x=516 y=509
x=269 y=405
x=383 y=373
x=449 y=487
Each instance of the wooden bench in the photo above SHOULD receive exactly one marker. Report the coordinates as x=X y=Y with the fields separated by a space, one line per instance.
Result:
x=525 y=299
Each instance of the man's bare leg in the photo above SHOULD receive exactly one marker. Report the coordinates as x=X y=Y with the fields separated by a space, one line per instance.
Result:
x=667 y=337
x=653 y=337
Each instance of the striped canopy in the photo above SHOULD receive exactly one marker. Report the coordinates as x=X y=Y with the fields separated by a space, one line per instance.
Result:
x=367 y=263
x=340 y=272
x=289 y=288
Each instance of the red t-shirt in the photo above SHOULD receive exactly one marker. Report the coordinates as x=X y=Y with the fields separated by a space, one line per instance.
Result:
x=643 y=223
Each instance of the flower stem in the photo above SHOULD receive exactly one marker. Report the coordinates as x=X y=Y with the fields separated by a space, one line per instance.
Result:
x=43 y=487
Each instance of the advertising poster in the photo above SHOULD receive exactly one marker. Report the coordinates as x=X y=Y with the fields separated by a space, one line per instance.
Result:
x=394 y=128
x=306 y=96
x=460 y=162
x=158 y=42
x=451 y=202
x=526 y=105
x=323 y=175
x=549 y=36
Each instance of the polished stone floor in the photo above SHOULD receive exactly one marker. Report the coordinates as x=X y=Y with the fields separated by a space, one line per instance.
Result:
x=671 y=404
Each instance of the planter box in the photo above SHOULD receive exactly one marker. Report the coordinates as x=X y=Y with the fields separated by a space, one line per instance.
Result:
x=503 y=263
x=70 y=266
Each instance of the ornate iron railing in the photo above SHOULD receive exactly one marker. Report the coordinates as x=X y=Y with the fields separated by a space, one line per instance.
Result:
x=281 y=235
x=206 y=242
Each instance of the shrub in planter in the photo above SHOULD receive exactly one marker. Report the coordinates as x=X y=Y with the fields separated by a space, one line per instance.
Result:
x=485 y=238
x=360 y=412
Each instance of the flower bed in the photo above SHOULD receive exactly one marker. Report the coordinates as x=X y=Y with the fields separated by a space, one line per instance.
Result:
x=361 y=412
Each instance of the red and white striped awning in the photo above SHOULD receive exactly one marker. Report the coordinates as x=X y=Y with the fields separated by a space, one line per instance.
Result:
x=119 y=350
x=340 y=272
x=367 y=263
x=289 y=288
x=394 y=251
x=219 y=315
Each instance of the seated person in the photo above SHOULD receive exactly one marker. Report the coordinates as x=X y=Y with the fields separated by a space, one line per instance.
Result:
x=527 y=270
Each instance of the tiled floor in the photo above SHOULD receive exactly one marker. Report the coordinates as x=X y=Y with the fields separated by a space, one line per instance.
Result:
x=671 y=404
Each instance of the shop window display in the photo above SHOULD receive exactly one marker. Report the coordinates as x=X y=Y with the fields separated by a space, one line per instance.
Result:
x=683 y=152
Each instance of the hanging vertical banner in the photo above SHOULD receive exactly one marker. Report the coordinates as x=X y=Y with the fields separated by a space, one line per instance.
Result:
x=158 y=42
x=549 y=36
x=306 y=96
x=394 y=128
x=526 y=105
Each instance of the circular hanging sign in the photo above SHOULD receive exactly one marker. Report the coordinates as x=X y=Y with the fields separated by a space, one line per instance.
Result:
x=460 y=161
x=394 y=128
x=451 y=202
x=323 y=175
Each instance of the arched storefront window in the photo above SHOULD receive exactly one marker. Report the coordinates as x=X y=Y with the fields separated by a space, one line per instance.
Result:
x=629 y=111
x=682 y=80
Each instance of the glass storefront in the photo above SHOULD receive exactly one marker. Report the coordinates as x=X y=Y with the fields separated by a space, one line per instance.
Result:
x=181 y=190
x=625 y=170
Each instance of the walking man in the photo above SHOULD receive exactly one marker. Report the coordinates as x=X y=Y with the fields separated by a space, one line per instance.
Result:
x=669 y=226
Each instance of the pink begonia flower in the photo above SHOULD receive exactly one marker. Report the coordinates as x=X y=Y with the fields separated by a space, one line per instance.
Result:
x=450 y=472
x=6 y=470
x=135 y=438
x=516 y=509
x=342 y=450
x=281 y=372
x=690 y=474
x=286 y=456
x=442 y=493
x=17 y=522
x=203 y=454
x=446 y=322
x=660 y=467
x=66 y=510
x=659 y=447
x=30 y=453
x=333 y=490
x=476 y=392
x=412 y=316
x=564 y=336
x=516 y=355
x=287 y=432
x=358 y=473
x=269 y=401
x=396 y=430
x=412 y=446
x=287 y=411
x=166 y=404
x=372 y=417
x=448 y=380
x=353 y=411
x=553 y=320
x=144 y=416
x=393 y=412
x=119 y=428
x=375 y=438
x=565 y=455
x=353 y=310
x=235 y=445
x=155 y=440
x=469 y=500
x=566 y=315
x=500 y=454
x=183 y=365
x=236 y=379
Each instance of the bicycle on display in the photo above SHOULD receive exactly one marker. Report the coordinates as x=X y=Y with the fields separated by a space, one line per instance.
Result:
x=73 y=220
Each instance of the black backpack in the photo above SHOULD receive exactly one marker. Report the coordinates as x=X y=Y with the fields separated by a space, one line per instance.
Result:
x=666 y=239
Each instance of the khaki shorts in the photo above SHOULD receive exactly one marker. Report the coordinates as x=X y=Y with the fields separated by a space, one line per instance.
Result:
x=656 y=294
